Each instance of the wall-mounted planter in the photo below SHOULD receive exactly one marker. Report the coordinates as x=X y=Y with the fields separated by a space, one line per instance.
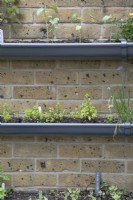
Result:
x=125 y=129
x=78 y=51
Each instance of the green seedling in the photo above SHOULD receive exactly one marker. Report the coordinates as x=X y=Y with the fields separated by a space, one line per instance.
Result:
x=76 y=18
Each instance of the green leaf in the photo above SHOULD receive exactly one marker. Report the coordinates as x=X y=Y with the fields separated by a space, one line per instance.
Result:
x=39 y=11
x=54 y=7
x=106 y=18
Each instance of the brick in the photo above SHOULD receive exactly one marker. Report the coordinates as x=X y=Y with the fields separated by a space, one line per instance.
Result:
x=106 y=166
x=79 y=3
x=111 y=65
x=118 y=13
x=130 y=139
x=118 y=151
x=41 y=18
x=39 y=92
x=56 y=77
x=20 y=78
x=65 y=105
x=118 y=3
x=66 y=31
x=58 y=165
x=33 y=150
x=37 y=64
x=4 y=65
x=94 y=15
x=99 y=78
x=6 y=30
x=34 y=3
x=28 y=32
x=109 y=31
x=5 y=150
x=129 y=77
x=17 y=106
x=76 y=180
x=80 y=151
x=78 y=93
x=122 y=181
x=17 y=138
x=26 y=180
x=5 y=92
x=91 y=31
x=130 y=166
x=14 y=165
x=78 y=65
x=27 y=15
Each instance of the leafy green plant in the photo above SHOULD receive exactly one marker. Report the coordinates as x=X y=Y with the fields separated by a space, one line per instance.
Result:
x=40 y=196
x=34 y=114
x=121 y=102
x=51 y=23
x=55 y=114
x=6 y=113
x=114 y=192
x=9 y=12
x=3 y=190
x=73 y=194
x=85 y=111
x=76 y=18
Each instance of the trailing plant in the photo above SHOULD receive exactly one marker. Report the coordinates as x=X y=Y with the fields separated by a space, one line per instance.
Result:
x=9 y=12
x=77 y=18
x=3 y=190
x=51 y=23
x=86 y=111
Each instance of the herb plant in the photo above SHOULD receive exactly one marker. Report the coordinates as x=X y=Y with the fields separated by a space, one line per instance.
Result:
x=51 y=23
x=76 y=18
x=73 y=194
x=9 y=12
x=33 y=115
x=3 y=190
x=6 y=113
x=86 y=111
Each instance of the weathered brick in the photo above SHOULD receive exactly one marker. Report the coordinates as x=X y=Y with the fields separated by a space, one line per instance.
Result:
x=56 y=77
x=28 y=32
x=130 y=166
x=17 y=138
x=111 y=65
x=26 y=180
x=91 y=31
x=27 y=15
x=118 y=3
x=33 y=150
x=17 y=107
x=16 y=78
x=76 y=180
x=99 y=78
x=5 y=150
x=118 y=13
x=79 y=3
x=78 y=93
x=14 y=165
x=105 y=166
x=78 y=65
x=5 y=92
x=118 y=151
x=109 y=31
x=80 y=151
x=37 y=92
x=130 y=139
x=4 y=65
x=94 y=15
x=66 y=31
x=122 y=181
x=37 y=64
x=58 y=165
x=34 y=3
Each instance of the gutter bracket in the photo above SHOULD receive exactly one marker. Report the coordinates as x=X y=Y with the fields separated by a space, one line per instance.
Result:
x=127 y=128
x=124 y=49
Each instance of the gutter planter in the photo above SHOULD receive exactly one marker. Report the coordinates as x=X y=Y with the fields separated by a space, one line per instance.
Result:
x=77 y=51
x=125 y=129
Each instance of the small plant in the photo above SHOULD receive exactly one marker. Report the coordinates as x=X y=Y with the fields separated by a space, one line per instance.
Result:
x=33 y=115
x=3 y=190
x=40 y=196
x=6 y=114
x=86 y=111
x=76 y=18
x=55 y=114
x=73 y=194
x=51 y=23
x=115 y=193
x=9 y=12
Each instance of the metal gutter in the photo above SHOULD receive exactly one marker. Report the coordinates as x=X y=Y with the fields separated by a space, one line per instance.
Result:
x=71 y=51
x=125 y=129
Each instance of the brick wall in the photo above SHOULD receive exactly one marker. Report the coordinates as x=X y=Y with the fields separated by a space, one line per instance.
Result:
x=47 y=162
